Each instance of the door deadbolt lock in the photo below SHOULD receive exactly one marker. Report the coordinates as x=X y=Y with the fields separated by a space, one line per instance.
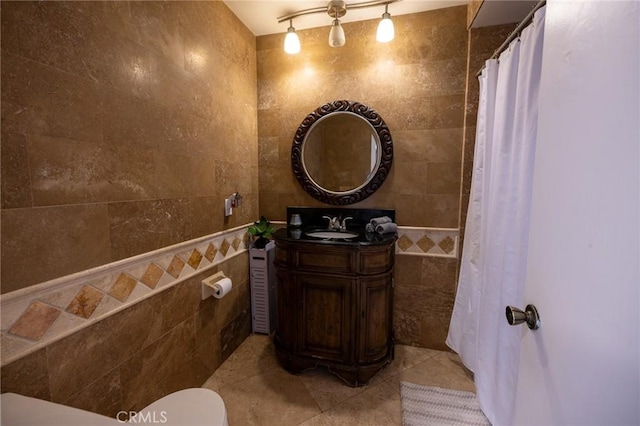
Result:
x=530 y=315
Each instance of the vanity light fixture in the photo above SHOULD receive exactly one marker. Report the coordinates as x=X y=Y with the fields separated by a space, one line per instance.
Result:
x=291 y=40
x=336 y=35
x=337 y=9
x=385 y=32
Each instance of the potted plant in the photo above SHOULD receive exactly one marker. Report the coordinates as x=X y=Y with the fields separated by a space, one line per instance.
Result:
x=263 y=230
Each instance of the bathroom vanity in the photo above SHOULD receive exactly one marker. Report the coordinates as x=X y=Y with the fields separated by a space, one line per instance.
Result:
x=334 y=281
x=334 y=301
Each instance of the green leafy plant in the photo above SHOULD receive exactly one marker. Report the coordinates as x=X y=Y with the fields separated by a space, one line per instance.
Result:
x=261 y=229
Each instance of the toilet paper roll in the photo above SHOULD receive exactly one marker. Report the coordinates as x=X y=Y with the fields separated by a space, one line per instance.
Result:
x=222 y=288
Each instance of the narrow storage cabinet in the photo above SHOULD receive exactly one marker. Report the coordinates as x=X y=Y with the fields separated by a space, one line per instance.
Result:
x=334 y=306
x=262 y=281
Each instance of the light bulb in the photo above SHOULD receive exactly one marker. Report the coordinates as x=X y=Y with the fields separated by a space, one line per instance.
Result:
x=386 y=32
x=336 y=35
x=291 y=42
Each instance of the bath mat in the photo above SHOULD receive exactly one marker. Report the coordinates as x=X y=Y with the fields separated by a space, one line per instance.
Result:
x=429 y=405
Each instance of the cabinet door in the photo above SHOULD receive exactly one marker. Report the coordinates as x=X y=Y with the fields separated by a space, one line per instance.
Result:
x=286 y=318
x=326 y=316
x=376 y=300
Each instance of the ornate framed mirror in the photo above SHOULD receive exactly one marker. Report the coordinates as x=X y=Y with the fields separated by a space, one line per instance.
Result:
x=342 y=152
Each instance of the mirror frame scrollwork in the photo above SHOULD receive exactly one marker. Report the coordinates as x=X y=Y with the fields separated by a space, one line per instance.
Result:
x=377 y=177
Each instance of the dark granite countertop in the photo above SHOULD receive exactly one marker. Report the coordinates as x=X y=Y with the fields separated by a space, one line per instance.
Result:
x=299 y=234
x=312 y=219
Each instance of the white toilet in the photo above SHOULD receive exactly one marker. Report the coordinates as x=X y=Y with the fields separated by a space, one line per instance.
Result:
x=188 y=407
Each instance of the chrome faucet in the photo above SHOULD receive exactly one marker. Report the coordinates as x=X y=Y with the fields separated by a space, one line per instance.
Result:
x=334 y=223
x=343 y=227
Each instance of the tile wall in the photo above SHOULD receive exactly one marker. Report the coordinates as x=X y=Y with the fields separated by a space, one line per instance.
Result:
x=161 y=344
x=40 y=315
x=124 y=126
x=417 y=84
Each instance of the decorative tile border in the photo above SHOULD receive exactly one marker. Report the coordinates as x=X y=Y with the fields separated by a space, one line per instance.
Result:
x=438 y=242
x=420 y=241
x=42 y=314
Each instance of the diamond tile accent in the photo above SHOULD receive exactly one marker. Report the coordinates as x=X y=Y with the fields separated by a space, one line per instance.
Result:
x=175 y=267
x=246 y=239
x=425 y=243
x=447 y=244
x=36 y=321
x=85 y=302
x=123 y=287
x=404 y=243
x=236 y=243
x=211 y=252
x=152 y=275
x=224 y=248
x=194 y=259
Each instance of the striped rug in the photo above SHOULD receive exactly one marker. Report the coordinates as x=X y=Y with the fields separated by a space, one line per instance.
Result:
x=429 y=405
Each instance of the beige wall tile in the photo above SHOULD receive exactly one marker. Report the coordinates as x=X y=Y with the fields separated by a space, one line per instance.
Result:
x=16 y=182
x=235 y=332
x=27 y=376
x=104 y=396
x=43 y=243
x=423 y=303
x=142 y=226
x=427 y=145
x=180 y=302
x=150 y=373
x=37 y=99
x=443 y=178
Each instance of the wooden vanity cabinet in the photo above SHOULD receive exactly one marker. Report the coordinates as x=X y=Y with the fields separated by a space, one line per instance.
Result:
x=334 y=305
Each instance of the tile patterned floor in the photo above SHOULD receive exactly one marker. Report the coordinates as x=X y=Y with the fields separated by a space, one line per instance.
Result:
x=257 y=391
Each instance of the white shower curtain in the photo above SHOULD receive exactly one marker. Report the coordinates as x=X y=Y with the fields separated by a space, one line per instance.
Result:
x=494 y=257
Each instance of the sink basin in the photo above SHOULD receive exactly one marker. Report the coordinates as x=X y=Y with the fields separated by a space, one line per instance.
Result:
x=332 y=234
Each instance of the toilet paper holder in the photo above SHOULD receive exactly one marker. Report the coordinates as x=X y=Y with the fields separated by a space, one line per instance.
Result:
x=208 y=285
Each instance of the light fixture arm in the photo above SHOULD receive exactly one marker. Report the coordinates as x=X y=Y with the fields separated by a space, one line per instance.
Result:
x=314 y=10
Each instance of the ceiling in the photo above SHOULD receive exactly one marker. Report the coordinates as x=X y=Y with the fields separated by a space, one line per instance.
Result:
x=496 y=12
x=261 y=16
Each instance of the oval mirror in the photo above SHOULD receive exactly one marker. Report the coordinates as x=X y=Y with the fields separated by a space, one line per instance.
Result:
x=342 y=152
